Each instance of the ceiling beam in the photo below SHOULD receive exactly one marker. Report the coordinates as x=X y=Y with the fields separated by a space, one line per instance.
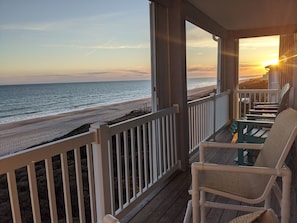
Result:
x=198 y=18
x=266 y=31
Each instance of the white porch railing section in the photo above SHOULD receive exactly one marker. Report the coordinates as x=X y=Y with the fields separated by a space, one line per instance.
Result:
x=84 y=177
x=50 y=182
x=141 y=152
x=109 y=169
x=247 y=97
x=206 y=116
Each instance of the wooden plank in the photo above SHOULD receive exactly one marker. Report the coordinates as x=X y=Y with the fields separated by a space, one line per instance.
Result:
x=156 y=209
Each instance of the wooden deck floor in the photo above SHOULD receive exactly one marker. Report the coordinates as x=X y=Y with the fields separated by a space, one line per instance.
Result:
x=170 y=204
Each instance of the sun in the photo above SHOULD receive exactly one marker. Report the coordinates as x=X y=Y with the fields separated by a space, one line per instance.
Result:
x=270 y=62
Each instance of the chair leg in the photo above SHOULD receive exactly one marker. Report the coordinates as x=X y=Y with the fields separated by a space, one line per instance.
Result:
x=285 y=202
x=202 y=206
x=267 y=204
x=195 y=197
x=188 y=214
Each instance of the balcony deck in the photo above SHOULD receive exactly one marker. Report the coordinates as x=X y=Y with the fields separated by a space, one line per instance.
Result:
x=170 y=204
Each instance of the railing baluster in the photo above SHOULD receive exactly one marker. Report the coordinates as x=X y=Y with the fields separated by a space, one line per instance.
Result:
x=66 y=187
x=190 y=128
x=163 y=146
x=240 y=104
x=171 y=140
x=198 y=125
x=245 y=96
x=195 y=127
x=13 y=195
x=168 y=143
x=144 y=140
x=139 y=151
x=91 y=182
x=119 y=171
x=51 y=189
x=80 y=189
x=192 y=121
x=155 y=153
x=126 y=164
x=133 y=158
x=159 y=148
x=33 y=192
x=150 y=153
x=174 y=135
x=111 y=165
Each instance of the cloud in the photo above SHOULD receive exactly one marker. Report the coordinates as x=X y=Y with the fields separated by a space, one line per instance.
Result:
x=102 y=46
x=260 y=42
x=136 y=71
x=96 y=73
x=202 y=68
x=248 y=65
x=96 y=20
x=26 y=27
x=202 y=71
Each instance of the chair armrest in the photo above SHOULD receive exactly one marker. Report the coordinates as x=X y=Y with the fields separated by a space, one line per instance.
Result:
x=218 y=145
x=264 y=116
x=196 y=166
x=225 y=145
x=255 y=122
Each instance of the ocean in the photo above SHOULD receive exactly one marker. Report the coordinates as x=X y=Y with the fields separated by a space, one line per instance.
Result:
x=23 y=102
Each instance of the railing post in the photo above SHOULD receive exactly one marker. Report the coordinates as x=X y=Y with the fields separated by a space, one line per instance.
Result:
x=155 y=148
x=213 y=95
x=101 y=170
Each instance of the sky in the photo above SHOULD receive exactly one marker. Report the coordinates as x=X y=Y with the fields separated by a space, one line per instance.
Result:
x=100 y=40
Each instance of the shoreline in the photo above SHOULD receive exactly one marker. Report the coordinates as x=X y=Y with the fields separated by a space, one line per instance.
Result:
x=17 y=136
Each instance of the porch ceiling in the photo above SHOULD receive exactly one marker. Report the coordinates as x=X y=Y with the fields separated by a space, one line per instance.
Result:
x=246 y=18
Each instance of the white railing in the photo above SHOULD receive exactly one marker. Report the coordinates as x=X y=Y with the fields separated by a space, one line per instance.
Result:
x=206 y=116
x=247 y=97
x=53 y=181
x=141 y=152
x=84 y=177
x=109 y=169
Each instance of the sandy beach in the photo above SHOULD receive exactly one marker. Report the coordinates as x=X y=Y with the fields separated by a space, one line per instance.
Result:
x=20 y=135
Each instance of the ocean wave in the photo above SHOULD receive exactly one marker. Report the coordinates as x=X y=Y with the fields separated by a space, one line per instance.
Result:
x=23 y=102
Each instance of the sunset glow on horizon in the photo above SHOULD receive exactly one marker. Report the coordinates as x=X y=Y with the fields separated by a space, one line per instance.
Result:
x=49 y=42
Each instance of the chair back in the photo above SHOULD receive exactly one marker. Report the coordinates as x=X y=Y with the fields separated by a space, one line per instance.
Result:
x=279 y=141
x=284 y=89
x=284 y=98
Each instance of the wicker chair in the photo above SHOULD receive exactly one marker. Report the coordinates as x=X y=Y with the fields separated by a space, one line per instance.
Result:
x=248 y=184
